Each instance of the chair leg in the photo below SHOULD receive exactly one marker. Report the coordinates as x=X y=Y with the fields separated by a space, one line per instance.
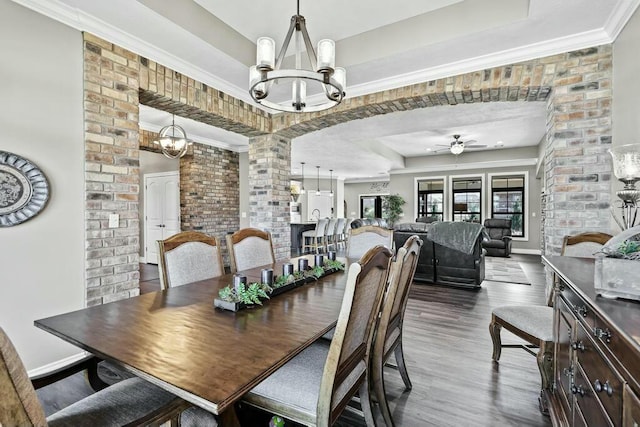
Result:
x=365 y=403
x=377 y=383
x=402 y=367
x=494 y=330
x=545 y=363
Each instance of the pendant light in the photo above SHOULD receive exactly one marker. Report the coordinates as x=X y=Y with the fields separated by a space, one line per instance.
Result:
x=331 y=181
x=173 y=140
x=302 y=190
x=318 y=181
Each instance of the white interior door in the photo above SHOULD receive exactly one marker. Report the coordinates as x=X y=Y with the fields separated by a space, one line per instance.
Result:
x=162 y=210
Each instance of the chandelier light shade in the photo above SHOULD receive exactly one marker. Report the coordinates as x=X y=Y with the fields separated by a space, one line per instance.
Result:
x=626 y=167
x=173 y=140
x=302 y=190
x=318 y=181
x=330 y=80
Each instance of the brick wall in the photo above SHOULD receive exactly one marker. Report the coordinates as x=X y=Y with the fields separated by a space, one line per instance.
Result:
x=111 y=170
x=209 y=192
x=269 y=189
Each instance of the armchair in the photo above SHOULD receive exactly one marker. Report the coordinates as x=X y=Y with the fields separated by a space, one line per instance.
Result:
x=499 y=231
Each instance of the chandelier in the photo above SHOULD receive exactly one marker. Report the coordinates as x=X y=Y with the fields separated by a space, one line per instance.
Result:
x=173 y=140
x=331 y=80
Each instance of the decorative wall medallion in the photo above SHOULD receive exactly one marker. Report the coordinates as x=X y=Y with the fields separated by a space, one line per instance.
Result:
x=24 y=190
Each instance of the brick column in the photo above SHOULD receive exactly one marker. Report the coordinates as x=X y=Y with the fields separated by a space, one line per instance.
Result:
x=111 y=170
x=209 y=192
x=577 y=166
x=269 y=189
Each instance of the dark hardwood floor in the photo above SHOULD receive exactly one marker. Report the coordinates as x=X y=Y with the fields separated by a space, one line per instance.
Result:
x=448 y=353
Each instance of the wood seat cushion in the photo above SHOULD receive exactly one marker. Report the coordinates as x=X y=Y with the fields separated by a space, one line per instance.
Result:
x=531 y=319
x=117 y=405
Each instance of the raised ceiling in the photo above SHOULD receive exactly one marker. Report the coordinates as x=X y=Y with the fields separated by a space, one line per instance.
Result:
x=382 y=44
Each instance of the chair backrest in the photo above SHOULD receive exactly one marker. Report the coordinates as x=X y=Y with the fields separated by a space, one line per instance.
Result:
x=249 y=248
x=427 y=219
x=396 y=299
x=188 y=257
x=497 y=228
x=340 y=223
x=331 y=227
x=19 y=404
x=363 y=238
x=321 y=227
x=347 y=361
x=584 y=245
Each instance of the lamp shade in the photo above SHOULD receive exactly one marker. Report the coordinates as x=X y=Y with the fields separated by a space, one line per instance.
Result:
x=326 y=55
x=265 y=53
x=626 y=161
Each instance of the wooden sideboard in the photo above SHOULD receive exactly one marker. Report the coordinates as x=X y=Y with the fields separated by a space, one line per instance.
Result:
x=597 y=351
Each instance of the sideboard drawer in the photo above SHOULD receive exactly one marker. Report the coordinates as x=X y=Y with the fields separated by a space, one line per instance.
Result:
x=605 y=381
x=577 y=306
x=620 y=348
x=587 y=401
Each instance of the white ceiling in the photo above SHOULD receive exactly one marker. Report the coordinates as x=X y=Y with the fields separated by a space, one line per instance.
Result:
x=382 y=44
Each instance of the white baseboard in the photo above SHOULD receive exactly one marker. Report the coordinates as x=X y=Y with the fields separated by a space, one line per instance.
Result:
x=527 y=251
x=56 y=365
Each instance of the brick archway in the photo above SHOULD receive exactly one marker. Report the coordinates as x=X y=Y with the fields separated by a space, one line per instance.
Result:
x=576 y=86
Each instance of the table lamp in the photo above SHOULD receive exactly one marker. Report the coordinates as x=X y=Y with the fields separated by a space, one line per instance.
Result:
x=626 y=167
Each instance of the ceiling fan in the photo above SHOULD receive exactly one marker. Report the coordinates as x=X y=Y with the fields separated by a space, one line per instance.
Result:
x=457 y=146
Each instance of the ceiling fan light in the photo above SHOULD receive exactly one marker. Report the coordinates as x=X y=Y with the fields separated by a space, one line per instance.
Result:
x=457 y=149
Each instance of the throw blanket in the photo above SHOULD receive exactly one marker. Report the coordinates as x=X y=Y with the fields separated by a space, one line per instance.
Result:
x=460 y=236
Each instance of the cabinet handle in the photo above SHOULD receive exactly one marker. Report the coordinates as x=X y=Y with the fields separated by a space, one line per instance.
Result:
x=577 y=389
x=582 y=311
x=606 y=387
x=568 y=372
x=578 y=345
x=603 y=334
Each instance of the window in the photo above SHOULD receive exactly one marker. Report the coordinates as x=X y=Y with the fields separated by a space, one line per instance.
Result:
x=370 y=206
x=507 y=201
x=467 y=199
x=431 y=199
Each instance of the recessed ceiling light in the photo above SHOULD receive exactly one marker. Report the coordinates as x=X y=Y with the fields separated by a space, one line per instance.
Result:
x=499 y=144
x=429 y=149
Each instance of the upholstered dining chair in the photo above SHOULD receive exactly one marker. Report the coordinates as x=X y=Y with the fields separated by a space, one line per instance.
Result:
x=314 y=239
x=330 y=234
x=338 y=236
x=132 y=401
x=534 y=323
x=388 y=336
x=188 y=257
x=250 y=248
x=363 y=238
x=314 y=387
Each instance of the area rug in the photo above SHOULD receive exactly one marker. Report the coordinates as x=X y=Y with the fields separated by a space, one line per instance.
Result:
x=498 y=269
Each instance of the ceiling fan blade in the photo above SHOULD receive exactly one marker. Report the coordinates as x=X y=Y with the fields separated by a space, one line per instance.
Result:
x=471 y=147
x=471 y=141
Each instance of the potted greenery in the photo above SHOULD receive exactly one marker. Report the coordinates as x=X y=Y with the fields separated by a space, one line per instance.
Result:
x=617 y=266
x=392 y=208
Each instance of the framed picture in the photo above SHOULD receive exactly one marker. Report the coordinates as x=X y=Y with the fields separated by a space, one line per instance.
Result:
x=24 y=190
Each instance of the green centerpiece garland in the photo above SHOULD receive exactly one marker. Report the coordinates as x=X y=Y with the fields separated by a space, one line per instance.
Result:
x=255 y=293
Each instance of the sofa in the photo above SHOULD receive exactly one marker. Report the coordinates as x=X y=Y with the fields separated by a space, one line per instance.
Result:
x=499 y=231
x=359 y=222
x=451 y=254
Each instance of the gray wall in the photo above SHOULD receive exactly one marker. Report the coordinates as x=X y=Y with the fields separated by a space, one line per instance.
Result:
x=42 y=260
x=626 y=92
x=353 y=191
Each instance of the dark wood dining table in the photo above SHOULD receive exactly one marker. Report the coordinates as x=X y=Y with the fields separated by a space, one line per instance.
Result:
x=179 y=341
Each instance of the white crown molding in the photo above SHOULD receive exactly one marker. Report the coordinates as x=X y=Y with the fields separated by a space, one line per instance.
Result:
x=198 y=138
x=494 y=164
x=84 y=22
x=81 y=21
x=510 y=56
x=620 y=16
